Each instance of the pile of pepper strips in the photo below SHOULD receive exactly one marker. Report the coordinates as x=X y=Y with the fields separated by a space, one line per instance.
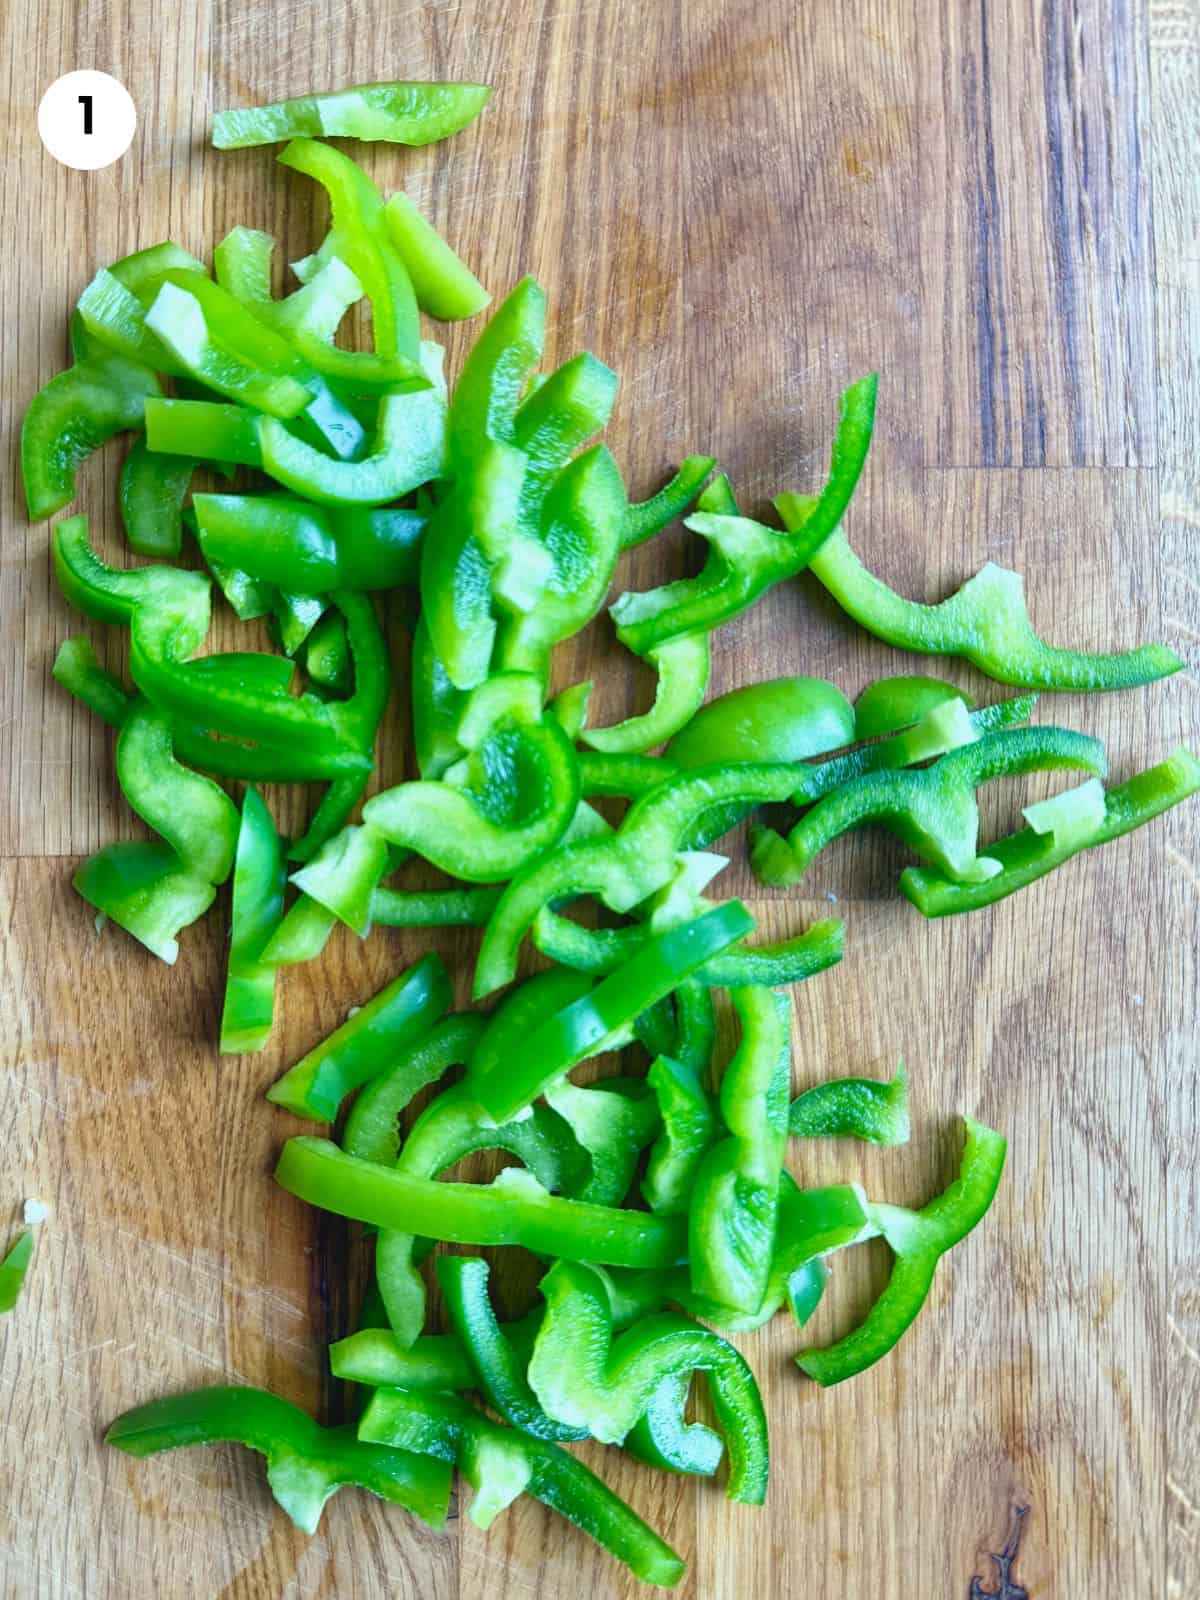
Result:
x=366 y=476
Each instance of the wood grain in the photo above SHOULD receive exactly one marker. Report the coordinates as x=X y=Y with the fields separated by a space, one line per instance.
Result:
x=740 y=208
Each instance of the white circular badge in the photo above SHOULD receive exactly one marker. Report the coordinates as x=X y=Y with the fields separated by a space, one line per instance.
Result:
x=86 y=120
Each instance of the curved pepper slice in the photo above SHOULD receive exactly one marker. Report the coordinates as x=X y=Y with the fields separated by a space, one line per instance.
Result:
x=408 y=447
x=586 y=1026
x=784 y=719
x=143 y=888
x=663 y=1438
x=732 y=1216
x=515 y=1209
x=433 y=908
x=401 y=113
x=745 y=558
x=330 y=817
x=682 y=665
x=932 y=810
x=72 y=416
x=648 y=517
x=581 y=518
x=372 y=1128
x=375 y=1358
x=13 y=1268
x=986 y=623
x=193 y=814
x=889 y=704
x=403 y=1011
x=152 y=491
x=855 y=1108
x=918 y=1240
x=310 y=549
x=453 y=1126
x=613 y=1121
x=444 y=285
x=689 y=1127
x=258 y=878
x=528 y=770
x=562 y=413
x=1028 y=855
x=306 y=1463
x=342 y=875
x=497 y=1369
x=626 y=867
x=360 y=236
x=501 y=1463
x=586 y=1379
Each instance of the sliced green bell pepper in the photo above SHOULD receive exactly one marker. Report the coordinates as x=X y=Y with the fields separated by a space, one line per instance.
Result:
x=682 y=665
x=372 y=1128
x=13 y=1268
x=444 y=285
x=648 y=517
x=306 y=1463
x=144 y=889
x=501 y=1463
x=985 y=622
x=258 y=880
x=193 y=814
x=918 y=1240
x=889 y=704
x=855 y=1108
x=72 y=416
x=310 y=549
x=401 y=113
x=362 y=1048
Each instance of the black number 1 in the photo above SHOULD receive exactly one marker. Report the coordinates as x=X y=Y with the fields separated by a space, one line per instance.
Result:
x=85 y=100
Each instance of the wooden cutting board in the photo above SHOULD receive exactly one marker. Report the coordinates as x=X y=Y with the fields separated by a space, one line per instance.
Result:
x=740 y=207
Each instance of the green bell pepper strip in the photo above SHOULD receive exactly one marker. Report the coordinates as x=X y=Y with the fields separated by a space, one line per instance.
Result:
x=72 y=416
x=453 y=1126
x=342 y=875
x=625 y=867
x=689 y=1128
x=718 y=496
x=648 y=517
x=310 y=549
x=80 y=673
x=515 y=1209
x=403 y=1011
x=375 y=1358
x=695 y=1026
x=496 y=1368
x=582 y=515
x=152 y=491
x=77 y=669
x=985 y=622
x=889 y=704
x=144 y=890
x=521 y=803
x=810 y=1224
x=401 y=113
x=1028 y=855
x=444 y=285
x=310 y=317
x=437 y=707
x=372 y=1128
x=683 y=666
x=732 y=1214
x=327 y=655
x=521 y=1012
x=918 y=1240
x=584 y=1378
x=582 y=1028
x=570 y=708
x=805 y=1288
x=502 y=1462
x=407 y=449
x=362 y=239
x=566 y=409
x=488 y=392
x=247 y=597
x=745 y=558
x=115 y=318
x=238 y=702
x=613 y=1121
x=258 y=879
x=306 y=1463
x=330 y=817
x=13 y=1268
x=140 y=273
x=242 y=265
x=663 y=1438
x=301 y=935
x=628 y=776
x=193 y=814
x=602 y=950
x=785 y=719
x=854 y=1108
x=433 y=908
x=934 y=810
